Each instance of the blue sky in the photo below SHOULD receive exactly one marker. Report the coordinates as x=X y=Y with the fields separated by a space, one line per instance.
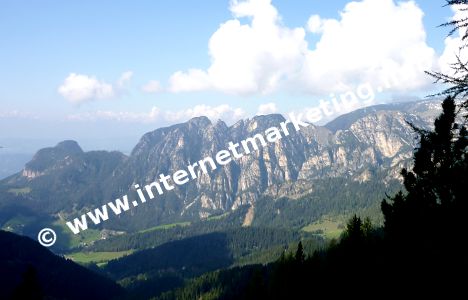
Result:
x=78 y=69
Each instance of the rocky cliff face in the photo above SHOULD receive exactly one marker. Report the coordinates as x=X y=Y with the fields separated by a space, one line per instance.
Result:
x=48 y=160
x=378 y=140
x=355 y=146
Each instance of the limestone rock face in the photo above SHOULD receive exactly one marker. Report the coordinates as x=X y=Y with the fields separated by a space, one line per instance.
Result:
x=371 y=140
x=355 y=146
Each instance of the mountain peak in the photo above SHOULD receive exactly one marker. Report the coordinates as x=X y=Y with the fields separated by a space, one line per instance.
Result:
x=69 y=146
x=271 y=118
x=220 y=124
x=48 y=157
x=428 y=109
x=200 y=121
x=375 y=139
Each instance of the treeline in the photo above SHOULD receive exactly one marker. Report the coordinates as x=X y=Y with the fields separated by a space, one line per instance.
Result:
x=220 y=247
x=159 y=236
x=152 y=271
x=295 y=273
x=350 y=198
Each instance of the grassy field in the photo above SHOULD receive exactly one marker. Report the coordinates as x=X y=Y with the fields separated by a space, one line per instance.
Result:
x=21 y=191
x=85 y=237
x=17 y=222
x=166 y=226
x=219 y=217
x=99 y=258
x=330 y=228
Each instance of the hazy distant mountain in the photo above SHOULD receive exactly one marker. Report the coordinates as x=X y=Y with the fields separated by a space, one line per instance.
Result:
x=365 y=145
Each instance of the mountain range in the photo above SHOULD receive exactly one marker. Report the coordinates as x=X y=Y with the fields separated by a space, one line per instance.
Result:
x=367 y=147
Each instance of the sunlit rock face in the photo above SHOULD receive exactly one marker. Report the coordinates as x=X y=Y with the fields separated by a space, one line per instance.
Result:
x=355 y=146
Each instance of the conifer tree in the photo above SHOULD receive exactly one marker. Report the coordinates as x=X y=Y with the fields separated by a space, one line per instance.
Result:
x=436 y=198
x=300 y=256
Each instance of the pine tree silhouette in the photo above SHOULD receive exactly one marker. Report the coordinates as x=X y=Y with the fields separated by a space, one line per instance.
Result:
x=300 y=256
x=423 y=226
x=435 y=186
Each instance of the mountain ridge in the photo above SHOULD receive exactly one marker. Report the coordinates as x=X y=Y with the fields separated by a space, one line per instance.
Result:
x=355 y=146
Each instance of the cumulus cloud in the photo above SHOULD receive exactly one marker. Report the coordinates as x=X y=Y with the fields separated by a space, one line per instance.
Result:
x=314 y=24
x=124 y=79
x=80 y=88
x=373 y=41
x=453 y=44
x=153 y=86
x=247 y=58
x=224 y=112
x=267 y=108
x=132 y=117
x=193 y=80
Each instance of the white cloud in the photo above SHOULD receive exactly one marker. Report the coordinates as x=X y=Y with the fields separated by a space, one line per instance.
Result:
x=374 y=41
x=153 y=86
x=315 y=24
x=132 y=117
x=250 y=58
x=124 y=79
x=267 y=108
x=18 y=115
x=454 y=43
x=191 y=81
x=371 y=41
x=80 y=88
x=223 y=112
